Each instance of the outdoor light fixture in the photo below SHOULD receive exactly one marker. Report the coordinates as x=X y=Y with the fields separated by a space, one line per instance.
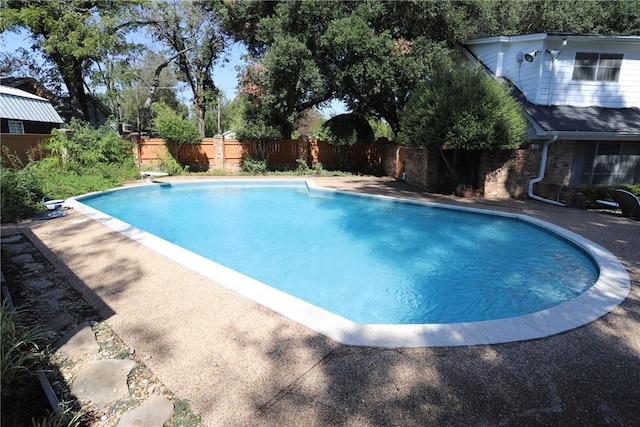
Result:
x=529 y=56
x=556 y=52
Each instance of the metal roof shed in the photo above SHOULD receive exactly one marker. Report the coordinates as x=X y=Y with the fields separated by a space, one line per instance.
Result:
x=16 y=104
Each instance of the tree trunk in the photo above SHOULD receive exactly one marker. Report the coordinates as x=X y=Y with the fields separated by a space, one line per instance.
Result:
x=201 y=109
x=71 y=72
x=451 y=169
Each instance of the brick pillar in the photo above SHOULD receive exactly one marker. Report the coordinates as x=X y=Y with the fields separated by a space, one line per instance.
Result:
x=218 y=152
x=313 y=153
x=303 y=149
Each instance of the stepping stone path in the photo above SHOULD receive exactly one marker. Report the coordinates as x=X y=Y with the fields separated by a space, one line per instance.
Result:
x=101 y=379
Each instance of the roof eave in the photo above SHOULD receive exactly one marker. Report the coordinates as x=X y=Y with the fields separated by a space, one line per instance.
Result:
x=587 y=136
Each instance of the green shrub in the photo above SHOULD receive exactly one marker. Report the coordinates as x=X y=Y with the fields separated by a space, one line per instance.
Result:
x=170 y=165
x=174 y=127
x=20 y=194
x=82 y=160
x=318 y=169
x=254 y=167
x=260 y=134
x=82 y=145
x=347 y=129
x=604 y=192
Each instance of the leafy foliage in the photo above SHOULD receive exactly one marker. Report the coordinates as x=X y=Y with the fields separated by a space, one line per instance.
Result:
x=172 y=126
x=82 y=160
x=376 y=69
x=254 y=167
x=20 y=194
x=233 y=114
x=60 y=184
x=85 y=146
x=73 y=35
x=260 y=133
x=170 y=165
x=462 y=108
x=372 y=54
x=466 y=110
x=347 y=129
x=21 y=356
x=66 y=417
x=20 y=352
x=604 y=192
x=134 y=81
x=309 y=123
x=381 y=129
x=571 y=16
x=191 y=30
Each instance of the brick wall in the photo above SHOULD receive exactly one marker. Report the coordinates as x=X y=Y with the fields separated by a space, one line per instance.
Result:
x=507 y=174
x=559 y=162
x=421 y=166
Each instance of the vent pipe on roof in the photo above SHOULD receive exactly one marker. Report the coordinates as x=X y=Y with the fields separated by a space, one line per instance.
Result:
x=540 y=177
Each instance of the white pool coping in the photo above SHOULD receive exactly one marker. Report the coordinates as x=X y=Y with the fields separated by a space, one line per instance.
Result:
x=611 y=288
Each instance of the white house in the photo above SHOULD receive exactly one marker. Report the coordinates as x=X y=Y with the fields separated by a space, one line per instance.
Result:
x=581 y=94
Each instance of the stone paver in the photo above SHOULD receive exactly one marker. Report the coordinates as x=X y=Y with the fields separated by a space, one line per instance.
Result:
x=78 y=342
x=39 y=283
x=10 y=239
x=60 y=320
x=103 y=381
x=21 y=259
x=154 y=412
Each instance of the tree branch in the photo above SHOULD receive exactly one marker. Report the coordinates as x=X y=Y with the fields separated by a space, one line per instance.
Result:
x=146 y=109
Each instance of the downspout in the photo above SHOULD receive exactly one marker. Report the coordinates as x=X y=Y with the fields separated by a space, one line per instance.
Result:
x=540 y=177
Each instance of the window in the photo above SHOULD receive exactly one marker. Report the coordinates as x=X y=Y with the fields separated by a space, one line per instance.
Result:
x=610 y=162
x=15 y=127
x=603 y=67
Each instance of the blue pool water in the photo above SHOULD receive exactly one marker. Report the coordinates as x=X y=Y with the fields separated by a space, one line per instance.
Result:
x=367 y=259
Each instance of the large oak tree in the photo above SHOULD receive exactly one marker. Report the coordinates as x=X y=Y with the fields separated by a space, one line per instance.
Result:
x=73 y=35
x=372 y=54
x=191 y=31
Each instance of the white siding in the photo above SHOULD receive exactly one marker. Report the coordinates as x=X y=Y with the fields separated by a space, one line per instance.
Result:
x=623 y=93
x=548 y=82
x=524 y=75
x=488 y=55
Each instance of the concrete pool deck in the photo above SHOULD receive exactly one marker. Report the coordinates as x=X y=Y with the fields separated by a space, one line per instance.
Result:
x=238 y=363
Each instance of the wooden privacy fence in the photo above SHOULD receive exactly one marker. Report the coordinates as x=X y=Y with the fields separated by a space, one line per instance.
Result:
x=228 y=154
x=21 y=147
x=501 y=174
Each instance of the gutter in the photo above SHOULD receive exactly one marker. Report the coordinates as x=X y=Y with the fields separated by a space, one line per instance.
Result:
x=540 y=177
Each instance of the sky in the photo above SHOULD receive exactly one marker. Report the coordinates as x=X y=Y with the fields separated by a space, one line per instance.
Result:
x=225 y=75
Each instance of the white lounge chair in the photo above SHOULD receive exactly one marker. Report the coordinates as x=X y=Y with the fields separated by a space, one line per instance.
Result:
x=52 y=205
x=608 y=204
x=628 y=203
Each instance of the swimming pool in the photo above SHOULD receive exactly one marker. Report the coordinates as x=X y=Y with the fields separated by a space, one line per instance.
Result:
x=383 y=248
